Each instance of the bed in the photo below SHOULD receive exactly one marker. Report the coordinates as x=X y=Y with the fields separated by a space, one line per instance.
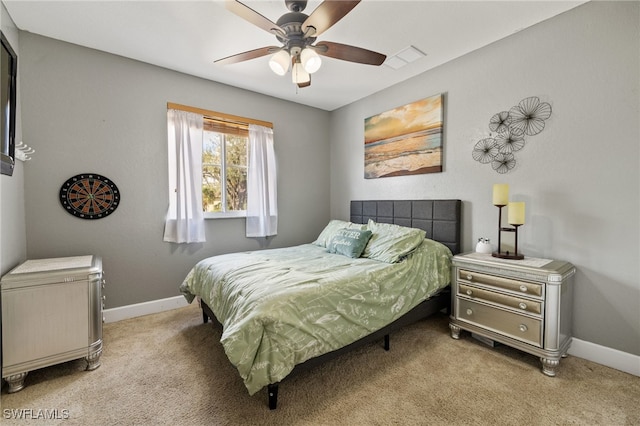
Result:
x=287 y=309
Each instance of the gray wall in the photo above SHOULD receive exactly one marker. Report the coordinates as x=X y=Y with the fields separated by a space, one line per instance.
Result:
x=13 y=243
x=579 y=177
x=90 y=111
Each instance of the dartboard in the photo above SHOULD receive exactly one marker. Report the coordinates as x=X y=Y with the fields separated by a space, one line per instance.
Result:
x=89 y=196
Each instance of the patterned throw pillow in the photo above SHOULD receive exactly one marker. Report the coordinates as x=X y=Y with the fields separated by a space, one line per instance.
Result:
x=349 y=242
x=332 y=228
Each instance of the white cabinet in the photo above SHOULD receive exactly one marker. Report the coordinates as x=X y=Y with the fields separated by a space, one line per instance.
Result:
x=51 y=313
x=526 y=304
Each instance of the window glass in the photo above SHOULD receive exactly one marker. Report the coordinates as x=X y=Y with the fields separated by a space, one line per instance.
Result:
x=224 y=173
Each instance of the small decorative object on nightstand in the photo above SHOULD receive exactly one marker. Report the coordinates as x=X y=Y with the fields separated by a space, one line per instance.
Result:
x=484 y=246
x=526 y=304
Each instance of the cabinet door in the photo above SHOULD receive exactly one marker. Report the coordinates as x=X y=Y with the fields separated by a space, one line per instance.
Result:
x=44 y=320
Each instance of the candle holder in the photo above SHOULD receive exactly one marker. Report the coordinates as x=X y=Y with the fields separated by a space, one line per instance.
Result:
x=506 y=255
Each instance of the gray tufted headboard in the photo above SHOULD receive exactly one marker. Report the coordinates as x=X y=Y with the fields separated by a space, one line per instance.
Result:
x=441 y=219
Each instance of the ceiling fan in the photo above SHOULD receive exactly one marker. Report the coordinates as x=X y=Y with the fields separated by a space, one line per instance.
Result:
x=298 y=32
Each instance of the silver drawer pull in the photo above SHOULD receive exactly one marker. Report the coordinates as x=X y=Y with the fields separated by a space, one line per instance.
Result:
x=523 y=328
x=469 y=292
x=523 y=288
x=469 y=277
x=469 y=312
x=523 y=305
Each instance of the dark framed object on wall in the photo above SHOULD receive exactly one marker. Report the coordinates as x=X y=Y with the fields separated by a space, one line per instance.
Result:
x=8 y=80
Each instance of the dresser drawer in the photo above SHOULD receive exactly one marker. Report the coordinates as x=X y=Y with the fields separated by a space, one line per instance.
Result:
x=519 y=303
x=523 y=287
x=520 y=327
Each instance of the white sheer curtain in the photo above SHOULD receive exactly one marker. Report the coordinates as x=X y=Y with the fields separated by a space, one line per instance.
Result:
x=185 y=219
x=262 y=205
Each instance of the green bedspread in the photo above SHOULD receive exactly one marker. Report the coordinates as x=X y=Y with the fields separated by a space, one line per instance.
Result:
x=281 y=307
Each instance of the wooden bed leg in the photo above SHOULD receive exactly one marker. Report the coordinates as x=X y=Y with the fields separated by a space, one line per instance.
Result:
x=386 y=342
x=272 y=390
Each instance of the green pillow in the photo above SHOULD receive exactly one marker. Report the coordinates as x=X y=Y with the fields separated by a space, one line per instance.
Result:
x=390 y=243
x=349 y=242
x=332 y=228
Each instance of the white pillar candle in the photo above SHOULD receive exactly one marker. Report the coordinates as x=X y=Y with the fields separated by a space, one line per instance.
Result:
x=516 y=213
x=500 y=194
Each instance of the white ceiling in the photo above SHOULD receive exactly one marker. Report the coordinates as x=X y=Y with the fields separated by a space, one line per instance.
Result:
x=187 y=36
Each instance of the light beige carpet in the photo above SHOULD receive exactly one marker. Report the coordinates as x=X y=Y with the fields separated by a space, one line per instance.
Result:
x=170 y=369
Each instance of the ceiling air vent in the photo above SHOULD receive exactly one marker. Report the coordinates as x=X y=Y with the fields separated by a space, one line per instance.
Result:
x=404 y=57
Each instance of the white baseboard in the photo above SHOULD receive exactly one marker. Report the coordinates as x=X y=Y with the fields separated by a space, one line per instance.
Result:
x=613 y=358
x=145 y=308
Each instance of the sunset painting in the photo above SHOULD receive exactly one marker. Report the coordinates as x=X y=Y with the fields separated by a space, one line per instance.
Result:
x=404 y=141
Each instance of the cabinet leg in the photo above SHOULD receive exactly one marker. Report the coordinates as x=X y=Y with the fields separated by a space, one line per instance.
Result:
x=455 y=331
x=549 y=366
x=16 y=381
x=93 y=360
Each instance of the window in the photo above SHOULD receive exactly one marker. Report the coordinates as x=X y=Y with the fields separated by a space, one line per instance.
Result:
x=225 y=161
x=224 y=168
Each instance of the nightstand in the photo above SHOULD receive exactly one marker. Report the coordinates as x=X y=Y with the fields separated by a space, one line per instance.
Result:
x=525 y=304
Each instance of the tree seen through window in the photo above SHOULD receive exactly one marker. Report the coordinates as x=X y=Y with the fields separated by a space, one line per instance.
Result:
x=224 y=172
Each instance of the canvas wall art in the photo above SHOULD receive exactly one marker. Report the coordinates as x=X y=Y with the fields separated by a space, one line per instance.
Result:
x=404 y=141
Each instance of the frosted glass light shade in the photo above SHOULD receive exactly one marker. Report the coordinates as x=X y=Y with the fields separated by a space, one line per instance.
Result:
x=299 y=75
x=500 y=194
x=310 y=60
x=516 y=213
x=279 y=62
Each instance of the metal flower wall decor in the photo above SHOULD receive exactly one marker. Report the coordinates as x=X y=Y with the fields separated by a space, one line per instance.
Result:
x=511 y=128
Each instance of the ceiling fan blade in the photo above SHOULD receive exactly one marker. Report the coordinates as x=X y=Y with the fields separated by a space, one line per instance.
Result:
x=328 y=13
x=248 y=14
x=350 y=53
x=245 y=56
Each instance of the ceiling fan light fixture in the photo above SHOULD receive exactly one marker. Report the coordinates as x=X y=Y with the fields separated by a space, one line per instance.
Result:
x=310 y=60
x=279 y=62
x=299 y=75
x=297 y=32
